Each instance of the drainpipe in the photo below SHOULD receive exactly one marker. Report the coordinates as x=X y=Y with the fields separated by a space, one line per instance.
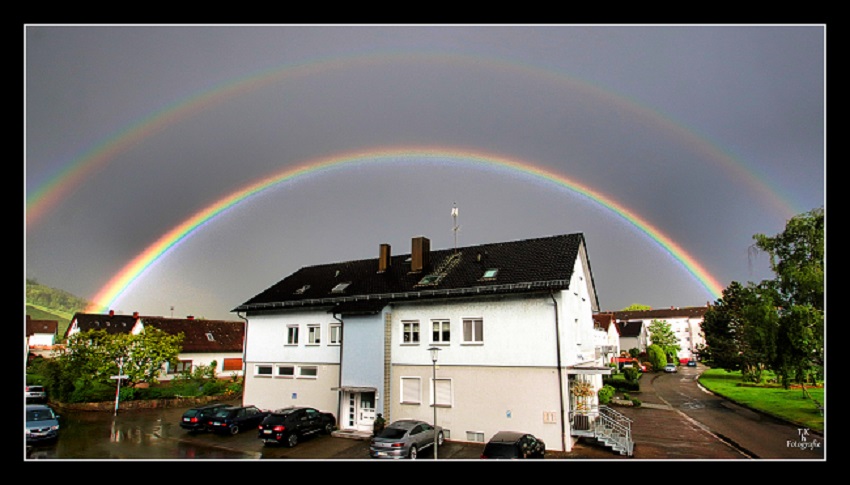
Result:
x=339 y=395
x=244 y=354
x=560 y=373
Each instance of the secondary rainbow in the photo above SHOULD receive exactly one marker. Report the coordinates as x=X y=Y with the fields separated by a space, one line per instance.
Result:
x=121 y=282
x=44 y=197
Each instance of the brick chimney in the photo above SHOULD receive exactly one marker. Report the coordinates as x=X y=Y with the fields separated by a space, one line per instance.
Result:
x=135 y=314
x=111 y=313
x=383 y=258
x=190 y=317
x=420 y=253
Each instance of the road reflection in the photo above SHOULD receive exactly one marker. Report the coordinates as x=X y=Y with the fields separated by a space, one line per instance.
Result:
x=153 y=434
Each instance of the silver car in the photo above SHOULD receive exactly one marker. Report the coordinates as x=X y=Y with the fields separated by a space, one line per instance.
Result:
x=404 y=439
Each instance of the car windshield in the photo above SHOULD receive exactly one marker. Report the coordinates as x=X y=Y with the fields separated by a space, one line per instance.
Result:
x=500 y=450
x=392 y=433
x=222 y=413
x=39 y=415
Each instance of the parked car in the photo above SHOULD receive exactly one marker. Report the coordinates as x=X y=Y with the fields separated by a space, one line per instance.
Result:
x=513 y=445
x=42 y=424
x=404 y=438
x=289 y=425
x=233 y=419
x=35 y=394
x=692 y=363
x=670 y=368
x=195 y=419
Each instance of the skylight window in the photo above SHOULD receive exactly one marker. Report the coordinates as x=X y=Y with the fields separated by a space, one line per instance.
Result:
x=300 y=291
x=429 y=280
x=210 y=337
x=340 y=287
x=490 y=273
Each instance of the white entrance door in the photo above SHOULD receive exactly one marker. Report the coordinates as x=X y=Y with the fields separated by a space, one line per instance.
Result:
x=361 y=411
x=366 y=411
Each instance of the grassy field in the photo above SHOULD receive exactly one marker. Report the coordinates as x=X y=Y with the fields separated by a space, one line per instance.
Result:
x=789 y=404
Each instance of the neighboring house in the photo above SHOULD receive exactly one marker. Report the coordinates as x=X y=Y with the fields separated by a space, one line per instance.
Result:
x=632 y=335
x=41 y=336
x=685 y=322
x=607 y=336
x=204 y=341
x=513 y=323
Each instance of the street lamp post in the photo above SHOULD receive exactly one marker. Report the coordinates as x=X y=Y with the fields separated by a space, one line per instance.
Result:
x=434 y=351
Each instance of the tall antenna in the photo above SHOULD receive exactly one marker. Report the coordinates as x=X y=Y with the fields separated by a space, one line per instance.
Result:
x=456 y=227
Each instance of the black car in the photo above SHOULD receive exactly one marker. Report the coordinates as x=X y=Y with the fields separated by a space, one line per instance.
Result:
x=233 y=419
x=514 y=445
x=291 y=424
x=195 y=419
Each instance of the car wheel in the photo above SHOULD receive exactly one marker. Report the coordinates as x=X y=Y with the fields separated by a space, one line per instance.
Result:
x=234 y=429
x=440 y=438
x=292 y=440
x=413 y=452
x=329 y=428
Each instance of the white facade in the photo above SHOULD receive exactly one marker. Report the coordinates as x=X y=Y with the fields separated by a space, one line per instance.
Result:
x=497 y=369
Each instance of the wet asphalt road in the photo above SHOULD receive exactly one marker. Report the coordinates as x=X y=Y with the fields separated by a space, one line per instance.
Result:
x=678 y=421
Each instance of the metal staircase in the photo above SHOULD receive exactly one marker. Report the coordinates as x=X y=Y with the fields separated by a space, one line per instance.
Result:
x=606 y=426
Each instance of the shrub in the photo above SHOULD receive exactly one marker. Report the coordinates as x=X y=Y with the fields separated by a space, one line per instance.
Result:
x=605 y=394
x=631 y=374
x=636 y=402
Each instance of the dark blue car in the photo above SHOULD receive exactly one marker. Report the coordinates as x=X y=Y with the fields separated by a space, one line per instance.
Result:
x=234 y=419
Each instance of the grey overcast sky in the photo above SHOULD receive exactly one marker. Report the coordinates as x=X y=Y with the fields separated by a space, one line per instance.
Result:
x=637 y=136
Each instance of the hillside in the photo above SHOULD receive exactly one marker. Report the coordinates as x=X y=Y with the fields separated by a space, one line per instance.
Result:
x=46 y=303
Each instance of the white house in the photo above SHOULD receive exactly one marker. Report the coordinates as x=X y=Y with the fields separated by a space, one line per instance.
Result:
x=204 y=341
x=513 y=323
x=685 y=322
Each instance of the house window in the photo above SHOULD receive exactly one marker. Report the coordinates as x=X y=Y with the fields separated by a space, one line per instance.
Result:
x=410 y=332
x=334 y=334
x=314 y=334
x=263 y=370
x=310 y=371
x=411 y=390
x=473 y=330
x=490 y=274
x=444 y=392
x=440 y=331
x=232 y=364
x=210 y=337
x=181 y=367
x=475 y=436
x=292 y=335
x=286 y=371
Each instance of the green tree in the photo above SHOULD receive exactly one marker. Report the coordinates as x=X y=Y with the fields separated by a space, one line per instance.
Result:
x=661 y=334
x=637 y=307
x=797 y=257
x=776 y=324
x=92 y=357
x=657 y=357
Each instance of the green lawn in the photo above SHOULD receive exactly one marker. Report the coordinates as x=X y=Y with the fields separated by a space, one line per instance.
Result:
x=789 y=404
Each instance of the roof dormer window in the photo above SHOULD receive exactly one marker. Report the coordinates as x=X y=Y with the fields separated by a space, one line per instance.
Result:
x=340 y=287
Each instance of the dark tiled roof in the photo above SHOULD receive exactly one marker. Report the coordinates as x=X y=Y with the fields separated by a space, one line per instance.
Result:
x=541 y=263
x=41 y=326
x=226 y=336
x=630 y=329
x=684 y=312
x=100 y=321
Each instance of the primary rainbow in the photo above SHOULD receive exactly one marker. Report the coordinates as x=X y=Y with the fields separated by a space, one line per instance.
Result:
x=118 y=285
